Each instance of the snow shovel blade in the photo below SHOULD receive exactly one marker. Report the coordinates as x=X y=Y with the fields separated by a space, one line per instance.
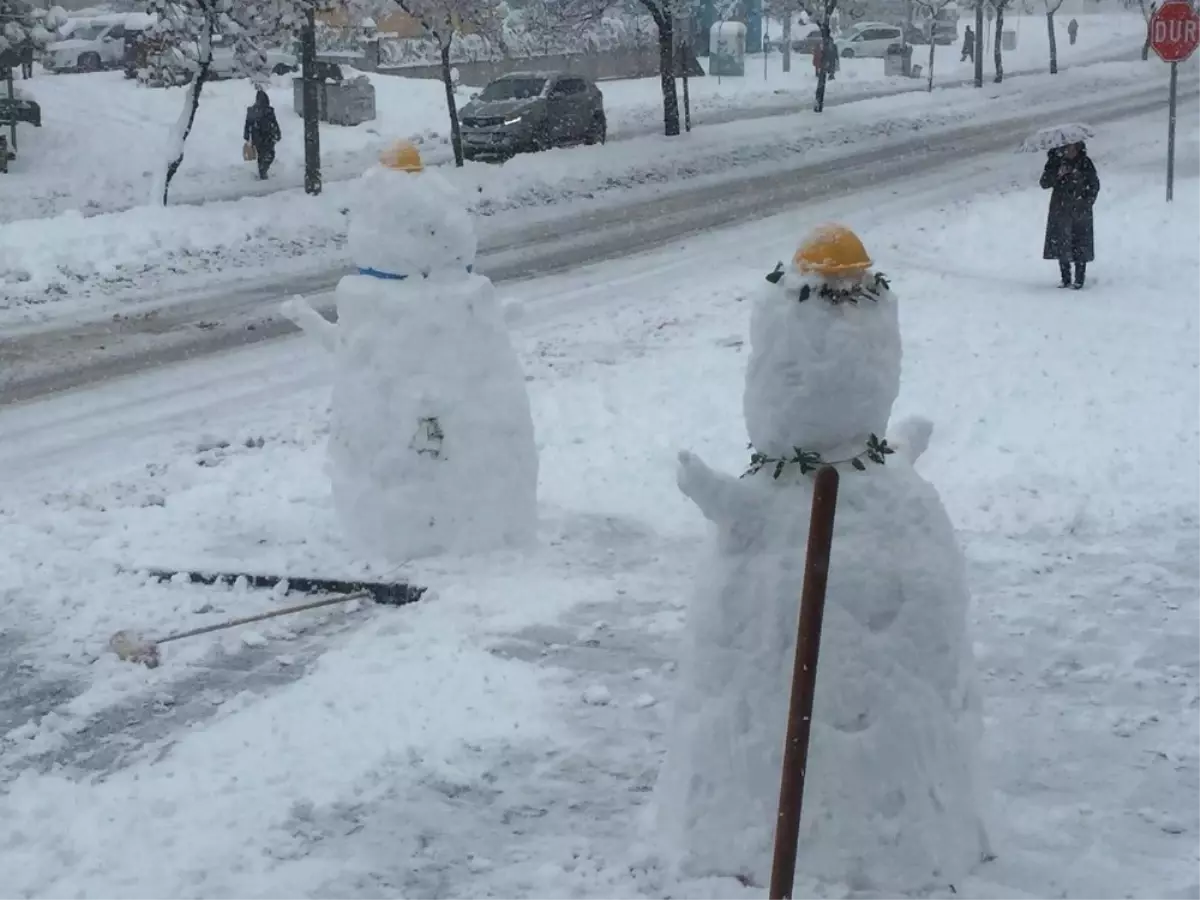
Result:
x=385 y=594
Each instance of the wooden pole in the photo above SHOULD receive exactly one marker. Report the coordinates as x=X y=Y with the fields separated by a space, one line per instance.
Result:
x=804 y=682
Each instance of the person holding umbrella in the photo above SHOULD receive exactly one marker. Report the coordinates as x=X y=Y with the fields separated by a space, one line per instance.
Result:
x=1071 y=177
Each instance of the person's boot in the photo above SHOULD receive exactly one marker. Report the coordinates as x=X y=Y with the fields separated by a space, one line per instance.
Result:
x=1080 y=275
x=1064 y=270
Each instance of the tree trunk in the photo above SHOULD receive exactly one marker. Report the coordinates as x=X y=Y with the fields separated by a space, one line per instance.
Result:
x=787 y=39
x=932 y=47
x=978 y=43
x=827 y=47
x=1053 y=43
x=685 y=51
x=1146 y=44
x=666 y=70
x=997 y=47
x=311 y=97
x=452 y=105
x=191 y=103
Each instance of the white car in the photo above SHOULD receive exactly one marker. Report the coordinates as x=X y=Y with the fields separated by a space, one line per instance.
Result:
x=869 y=39
x=89 y=47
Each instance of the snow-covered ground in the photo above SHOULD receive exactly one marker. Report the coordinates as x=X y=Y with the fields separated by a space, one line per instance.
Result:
x=75 y=267
x=499 y=737
x=124 y=129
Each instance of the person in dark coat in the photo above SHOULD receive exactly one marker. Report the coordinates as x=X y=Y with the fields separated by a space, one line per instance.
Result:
x=262 y=131
x=1072 y=177
x=968 y=51
x=27 y=60
x=1072 y=31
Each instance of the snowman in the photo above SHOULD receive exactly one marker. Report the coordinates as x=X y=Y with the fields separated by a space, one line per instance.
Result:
x=431 y=446
x=891 y=802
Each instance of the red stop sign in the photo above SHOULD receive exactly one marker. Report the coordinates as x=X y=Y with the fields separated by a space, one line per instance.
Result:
x=1174 y=31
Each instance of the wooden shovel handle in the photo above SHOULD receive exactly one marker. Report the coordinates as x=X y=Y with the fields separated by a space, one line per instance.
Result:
x=246 y=620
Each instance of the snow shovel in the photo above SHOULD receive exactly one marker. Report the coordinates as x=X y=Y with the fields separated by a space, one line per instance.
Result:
x=133 y=647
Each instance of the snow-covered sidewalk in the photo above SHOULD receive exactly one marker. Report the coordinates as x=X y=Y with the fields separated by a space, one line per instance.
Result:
x=499 y=737
x=72 y=267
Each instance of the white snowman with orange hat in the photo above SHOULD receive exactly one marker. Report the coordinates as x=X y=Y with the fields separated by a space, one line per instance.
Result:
x=891 y=799
x=431 y=446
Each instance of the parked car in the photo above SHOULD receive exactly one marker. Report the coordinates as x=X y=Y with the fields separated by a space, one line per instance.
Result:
x=88 y=47
x=869 y=39
x=531 y=111
x=808 y=41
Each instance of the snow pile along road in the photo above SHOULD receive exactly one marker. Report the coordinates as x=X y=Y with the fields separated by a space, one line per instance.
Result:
x=331 y=757
x=73 y=265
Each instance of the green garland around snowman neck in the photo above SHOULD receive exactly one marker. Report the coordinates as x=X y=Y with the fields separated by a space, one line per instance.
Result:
x=862 y=290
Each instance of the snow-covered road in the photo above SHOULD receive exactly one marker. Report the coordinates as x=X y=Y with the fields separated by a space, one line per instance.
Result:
x=170 y=327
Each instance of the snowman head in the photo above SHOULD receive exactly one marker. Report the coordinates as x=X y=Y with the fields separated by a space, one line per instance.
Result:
x=824 y=367
x=408 y=221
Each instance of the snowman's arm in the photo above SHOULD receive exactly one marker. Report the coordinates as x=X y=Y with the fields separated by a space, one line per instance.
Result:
x=910 y=437
x=720 y=497
x=311 y=321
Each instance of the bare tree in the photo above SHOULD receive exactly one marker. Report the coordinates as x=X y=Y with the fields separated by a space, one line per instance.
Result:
x=930 y=9
x=825 y=13
x=664 y=13
x=1147 y=12
x=443 y=21
x=997 y=43
x=1052 y=7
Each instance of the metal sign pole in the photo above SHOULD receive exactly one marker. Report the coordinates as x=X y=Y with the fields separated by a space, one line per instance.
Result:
x=1171 y=133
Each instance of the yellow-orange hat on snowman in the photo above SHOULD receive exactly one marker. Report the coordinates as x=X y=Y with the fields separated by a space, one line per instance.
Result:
x=402 y=156
x=833 y=251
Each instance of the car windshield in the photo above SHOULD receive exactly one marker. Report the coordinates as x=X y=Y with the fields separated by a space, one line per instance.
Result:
x=513 y=89
x=87 y=33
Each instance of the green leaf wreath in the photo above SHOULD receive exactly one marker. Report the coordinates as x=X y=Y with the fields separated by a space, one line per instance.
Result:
x=863 y=290
x=876 y=451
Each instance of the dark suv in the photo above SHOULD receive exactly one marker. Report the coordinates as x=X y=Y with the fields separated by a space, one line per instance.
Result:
x=532 y=111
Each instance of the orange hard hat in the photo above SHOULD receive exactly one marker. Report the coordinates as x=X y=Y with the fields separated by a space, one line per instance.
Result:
x=832 y=250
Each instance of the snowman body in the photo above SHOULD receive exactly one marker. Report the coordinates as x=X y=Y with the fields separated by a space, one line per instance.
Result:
x=431 y=446
x=891 y=801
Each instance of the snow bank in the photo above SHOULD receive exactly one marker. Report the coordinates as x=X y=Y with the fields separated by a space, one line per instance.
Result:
x=71 y=265
x=125 y=128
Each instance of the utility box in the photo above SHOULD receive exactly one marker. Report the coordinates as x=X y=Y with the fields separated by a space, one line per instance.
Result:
x=1008 y=40
x=898 y=60
x=727 y=49
x=350 y=102
x=339 y=102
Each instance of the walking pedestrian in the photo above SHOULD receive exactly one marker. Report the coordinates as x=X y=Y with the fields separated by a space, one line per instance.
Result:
x=262 y=132
x=968 y=47
x=27 y=59
x=1071 y=176
x=1072 y=31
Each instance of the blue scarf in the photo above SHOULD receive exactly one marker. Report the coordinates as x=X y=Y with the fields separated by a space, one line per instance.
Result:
x=392 y=276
